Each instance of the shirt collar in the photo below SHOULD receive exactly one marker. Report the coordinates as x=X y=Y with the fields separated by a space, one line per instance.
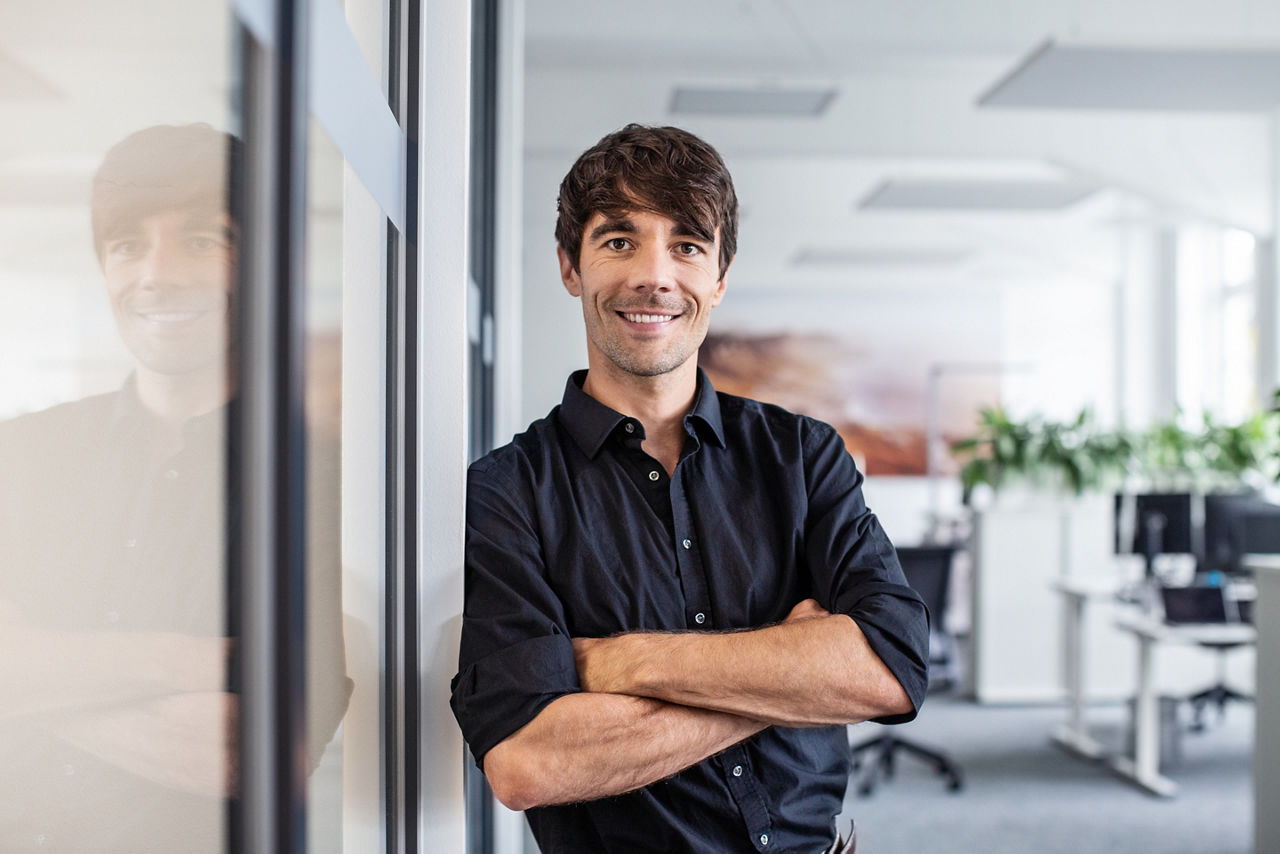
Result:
x=590 y=422
x=129 y=412
x=127 y=406
x=706 y=408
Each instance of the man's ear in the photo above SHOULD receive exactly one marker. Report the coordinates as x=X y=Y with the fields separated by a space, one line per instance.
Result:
x=568 y=275
x=721 y=285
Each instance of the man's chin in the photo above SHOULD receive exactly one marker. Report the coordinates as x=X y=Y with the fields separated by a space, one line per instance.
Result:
x=178 y=366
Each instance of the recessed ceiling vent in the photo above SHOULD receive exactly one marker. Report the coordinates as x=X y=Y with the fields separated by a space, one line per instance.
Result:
x=19 y=83
x=751 y=102
x=1076 y=77
x=976 y=195
x=882 y=257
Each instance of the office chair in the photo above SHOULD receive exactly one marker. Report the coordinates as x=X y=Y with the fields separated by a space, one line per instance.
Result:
x=1250 y=526
x=928 y=571
x=1219 y=694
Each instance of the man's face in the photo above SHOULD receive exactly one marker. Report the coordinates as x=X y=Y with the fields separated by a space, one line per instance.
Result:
x=647 y=285
x=170 y=280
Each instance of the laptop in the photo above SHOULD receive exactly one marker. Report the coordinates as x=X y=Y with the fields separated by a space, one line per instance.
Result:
x=1196 y=604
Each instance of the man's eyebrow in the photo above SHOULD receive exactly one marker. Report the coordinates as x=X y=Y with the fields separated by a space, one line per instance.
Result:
x=121 y=232
x=622 y=225
x=684 y=229
x=210 y=222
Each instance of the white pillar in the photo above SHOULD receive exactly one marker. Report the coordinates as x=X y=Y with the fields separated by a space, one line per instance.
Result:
x=443 y=401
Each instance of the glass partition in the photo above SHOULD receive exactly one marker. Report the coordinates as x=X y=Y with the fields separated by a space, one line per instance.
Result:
x=135 y=254
x=346 y=405
x=118 y=258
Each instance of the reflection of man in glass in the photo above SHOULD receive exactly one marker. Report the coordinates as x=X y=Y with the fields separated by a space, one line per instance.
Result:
x=118 y=711
x=168 y=255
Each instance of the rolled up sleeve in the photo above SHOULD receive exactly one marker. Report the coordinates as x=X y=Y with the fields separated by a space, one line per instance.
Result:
x=516 y=655
x=855 y=567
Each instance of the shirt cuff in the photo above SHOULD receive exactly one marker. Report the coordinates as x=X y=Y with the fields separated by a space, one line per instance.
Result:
x=498 y=694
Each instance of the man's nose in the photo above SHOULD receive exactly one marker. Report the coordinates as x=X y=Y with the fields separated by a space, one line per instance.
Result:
x=161 y=263
x=655 y=269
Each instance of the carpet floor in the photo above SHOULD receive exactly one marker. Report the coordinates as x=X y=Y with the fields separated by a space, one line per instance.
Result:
x=1023 y=795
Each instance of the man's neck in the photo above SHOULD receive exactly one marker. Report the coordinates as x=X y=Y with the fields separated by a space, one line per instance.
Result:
x=660 y=403
x=175 y=399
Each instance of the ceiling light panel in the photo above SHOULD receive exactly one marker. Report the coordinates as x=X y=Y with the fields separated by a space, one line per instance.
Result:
x=19 y=83
x=1113 y=78
x=752 y=101
x=880 y=257
x=976 y=195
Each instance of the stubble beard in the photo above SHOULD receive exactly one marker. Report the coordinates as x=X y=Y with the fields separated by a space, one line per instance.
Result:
x=629 y=362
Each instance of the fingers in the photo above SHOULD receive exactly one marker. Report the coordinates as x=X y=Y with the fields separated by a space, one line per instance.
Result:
x=807 y=609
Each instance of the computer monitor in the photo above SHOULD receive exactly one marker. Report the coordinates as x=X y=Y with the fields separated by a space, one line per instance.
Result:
x=1223 y=515
x=1260 y=529
x=1155 y=523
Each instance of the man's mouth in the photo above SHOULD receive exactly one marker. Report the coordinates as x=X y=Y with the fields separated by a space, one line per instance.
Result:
x=636 y=317
x=170 y=316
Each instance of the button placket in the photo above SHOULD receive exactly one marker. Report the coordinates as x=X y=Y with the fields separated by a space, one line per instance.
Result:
x=688 y=561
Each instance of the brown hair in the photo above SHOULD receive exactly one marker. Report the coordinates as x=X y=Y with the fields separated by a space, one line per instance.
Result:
x=664 y=170
x=161 y=168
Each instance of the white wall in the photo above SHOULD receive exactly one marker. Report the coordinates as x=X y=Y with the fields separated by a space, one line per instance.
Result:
x=554 y=341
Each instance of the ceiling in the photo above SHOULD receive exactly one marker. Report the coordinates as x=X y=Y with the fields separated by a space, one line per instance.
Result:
x=908 y=77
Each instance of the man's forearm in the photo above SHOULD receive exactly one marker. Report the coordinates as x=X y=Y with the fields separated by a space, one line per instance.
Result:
x=812 y=671
x=59 y=670
x=184 y=741
x=587 y=746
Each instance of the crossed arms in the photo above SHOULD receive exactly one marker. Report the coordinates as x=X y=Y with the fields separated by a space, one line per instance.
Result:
x=654 y=704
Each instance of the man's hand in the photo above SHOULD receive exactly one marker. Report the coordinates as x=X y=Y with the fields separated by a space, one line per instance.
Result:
x=63 y=670
x=184 y=741
x=806 y=609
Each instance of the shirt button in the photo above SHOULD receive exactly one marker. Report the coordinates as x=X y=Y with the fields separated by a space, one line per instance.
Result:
x=737 y=770
x=69 y=770
x=764 y=839
x=653 y=475
x=699 y=618
x=130 y=543
x=113 y=616
x=687 y=543
x=630 y=428
x=171 y=474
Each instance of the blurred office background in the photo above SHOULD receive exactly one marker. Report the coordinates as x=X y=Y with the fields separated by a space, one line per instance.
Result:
x=1062 y=214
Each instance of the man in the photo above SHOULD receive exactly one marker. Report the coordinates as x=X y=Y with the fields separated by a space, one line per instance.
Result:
x=117 y=725
x=676 y=599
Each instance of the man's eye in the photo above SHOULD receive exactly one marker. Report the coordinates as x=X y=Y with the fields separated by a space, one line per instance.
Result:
x=124 y=248
x=688 y=249
x=617 y=244
x=202 y=243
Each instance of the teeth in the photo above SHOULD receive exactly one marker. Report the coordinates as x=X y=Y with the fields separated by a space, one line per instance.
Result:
x=171 y=316
x=648 y=318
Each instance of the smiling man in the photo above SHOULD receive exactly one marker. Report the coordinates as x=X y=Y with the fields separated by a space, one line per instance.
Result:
x=676 y=598
x=119 y=719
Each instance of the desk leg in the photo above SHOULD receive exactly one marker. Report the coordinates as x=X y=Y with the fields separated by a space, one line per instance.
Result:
x=1073 y=737
x=1144 y=767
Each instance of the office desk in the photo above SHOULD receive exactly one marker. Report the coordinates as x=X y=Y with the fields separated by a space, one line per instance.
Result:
x=1266 y=735
x=1143 y=768
x=1073 y=736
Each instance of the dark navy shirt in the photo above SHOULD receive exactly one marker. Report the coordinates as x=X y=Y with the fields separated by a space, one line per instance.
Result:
x=574 y=531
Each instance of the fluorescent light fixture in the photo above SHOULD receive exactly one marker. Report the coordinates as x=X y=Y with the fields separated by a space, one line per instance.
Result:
x=880 y=256
x=752 y=101
x=1058 y=76
x=976 y=195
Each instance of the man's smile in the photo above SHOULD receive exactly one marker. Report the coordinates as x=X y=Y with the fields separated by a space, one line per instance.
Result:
x=171 y=316
x=637 y=317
